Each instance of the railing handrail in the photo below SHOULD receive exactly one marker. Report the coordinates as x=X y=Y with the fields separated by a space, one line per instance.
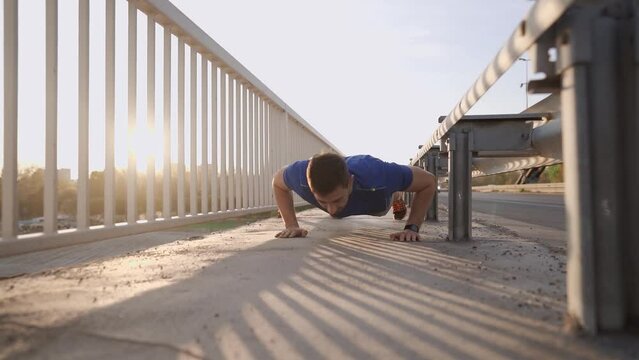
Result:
x=539 y=19
x=170 y=16
x=258 y=132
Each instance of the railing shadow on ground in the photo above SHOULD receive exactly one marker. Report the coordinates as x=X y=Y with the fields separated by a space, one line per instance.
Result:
x=355 y=295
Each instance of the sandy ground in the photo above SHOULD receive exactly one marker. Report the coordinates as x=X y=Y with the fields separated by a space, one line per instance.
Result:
x=346 y=291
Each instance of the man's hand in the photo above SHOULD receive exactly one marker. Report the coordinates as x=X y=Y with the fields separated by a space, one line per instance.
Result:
x=406 y=235
x=292 y=233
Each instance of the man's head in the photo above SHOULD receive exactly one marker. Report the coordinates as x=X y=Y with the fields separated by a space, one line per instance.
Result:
x=330 y=181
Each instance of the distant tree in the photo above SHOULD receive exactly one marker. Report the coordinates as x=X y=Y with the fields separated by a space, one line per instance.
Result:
x=67 y=197
x=96 y=193
x=30 y=193
x=553 y=174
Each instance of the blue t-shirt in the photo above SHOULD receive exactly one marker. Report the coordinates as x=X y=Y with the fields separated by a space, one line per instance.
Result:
x=373 y=186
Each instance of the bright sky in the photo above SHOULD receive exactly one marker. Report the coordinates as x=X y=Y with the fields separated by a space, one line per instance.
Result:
x=371 y=75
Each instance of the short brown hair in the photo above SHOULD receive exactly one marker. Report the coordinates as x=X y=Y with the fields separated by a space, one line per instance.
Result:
x=325 y=172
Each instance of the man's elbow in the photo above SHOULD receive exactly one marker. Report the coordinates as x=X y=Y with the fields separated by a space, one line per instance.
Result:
x=429 y=183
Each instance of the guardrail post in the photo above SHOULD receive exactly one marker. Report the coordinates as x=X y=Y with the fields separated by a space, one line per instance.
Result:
x=459 y=189
x=431 y=166
x=599 y=110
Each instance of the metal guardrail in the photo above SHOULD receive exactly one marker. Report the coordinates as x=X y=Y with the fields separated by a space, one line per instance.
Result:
x=542 y=188
x=257 y=131
x=595 y=76
x=543 y=15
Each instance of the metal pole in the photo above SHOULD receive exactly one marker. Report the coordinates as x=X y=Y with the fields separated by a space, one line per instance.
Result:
x=231 y=142
x=245 y=157
x=214 y=150
x=51 y=162
x=431 y=166
x=238 y=144
x=180 y=169
x=150 y=115
x=459 y=189
x=193 y=132
x=166 y=128
x=205 y=170
x=252 y=141
x=591 y=115
x=10 y=168
x=83 y=114
x=223 y=143
x=109 y=109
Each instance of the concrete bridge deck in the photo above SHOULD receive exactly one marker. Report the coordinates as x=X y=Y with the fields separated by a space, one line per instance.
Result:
x=344 y=292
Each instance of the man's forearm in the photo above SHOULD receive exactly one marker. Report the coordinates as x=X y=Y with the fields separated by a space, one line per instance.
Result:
x=284 y=200
x=420 y=204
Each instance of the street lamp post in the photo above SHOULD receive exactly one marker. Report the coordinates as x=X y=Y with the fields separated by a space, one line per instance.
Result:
x=526 y=83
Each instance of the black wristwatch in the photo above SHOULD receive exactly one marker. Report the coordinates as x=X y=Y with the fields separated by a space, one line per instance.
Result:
x=412 y=227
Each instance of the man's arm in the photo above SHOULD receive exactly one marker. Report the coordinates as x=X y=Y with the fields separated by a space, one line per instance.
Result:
x=424 y=187
x=284 y=200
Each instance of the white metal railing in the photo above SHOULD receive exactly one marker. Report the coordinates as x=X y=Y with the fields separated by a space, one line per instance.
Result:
x=246 y=131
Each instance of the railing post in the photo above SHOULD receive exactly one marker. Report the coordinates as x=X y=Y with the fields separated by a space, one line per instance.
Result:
x=238 y=144
x=215 y=192
x=432 y=157
x=150 y=113
x=252 y=144
x=245 y=155
x=223 y=142
x=231 y=143
x=205 y=168
x=459 y=189
x=10 y=158
x=166 y=126
x=193 y=188
x=599 y=109
x=265 y=152
x=83 y=112
x=109 y=119
x=51 y=162
x=180 y=141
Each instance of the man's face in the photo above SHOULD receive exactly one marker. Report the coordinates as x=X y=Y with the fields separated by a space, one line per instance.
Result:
x=335 y=201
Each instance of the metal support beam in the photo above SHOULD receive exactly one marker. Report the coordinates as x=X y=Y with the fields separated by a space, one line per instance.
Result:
x=459 y=186
x=597 y=96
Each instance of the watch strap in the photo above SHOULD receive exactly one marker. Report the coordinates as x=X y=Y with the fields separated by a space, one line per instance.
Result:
x=412 y=227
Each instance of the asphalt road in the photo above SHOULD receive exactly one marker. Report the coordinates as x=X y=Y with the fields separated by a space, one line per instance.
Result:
x=533 y=208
